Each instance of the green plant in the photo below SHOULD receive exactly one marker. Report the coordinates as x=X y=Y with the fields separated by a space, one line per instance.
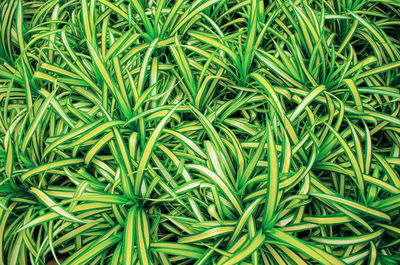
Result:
x=199 y=132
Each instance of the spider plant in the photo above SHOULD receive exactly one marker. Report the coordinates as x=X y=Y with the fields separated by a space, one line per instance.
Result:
x=199 y=132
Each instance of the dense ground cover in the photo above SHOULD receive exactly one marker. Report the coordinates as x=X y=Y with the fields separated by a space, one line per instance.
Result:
x=199 y=132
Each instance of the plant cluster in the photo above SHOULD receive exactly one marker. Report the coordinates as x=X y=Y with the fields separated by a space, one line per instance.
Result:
x=199 y=132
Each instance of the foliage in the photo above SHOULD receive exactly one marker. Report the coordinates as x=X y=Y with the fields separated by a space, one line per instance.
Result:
x=199 y=132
